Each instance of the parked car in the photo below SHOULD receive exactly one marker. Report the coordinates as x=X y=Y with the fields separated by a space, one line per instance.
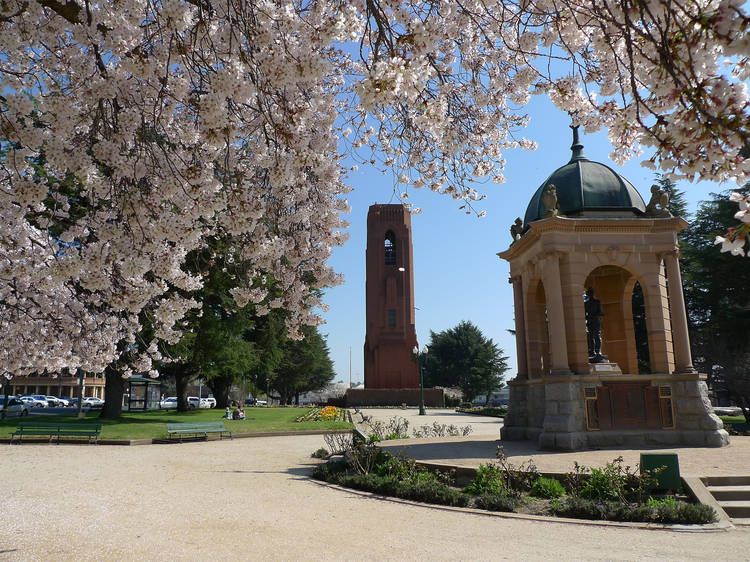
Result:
x=261 y=403
x=93 y=402
x=54 y=401
x=64 y=401
x=250 y=401
x=169 y=403
x=35 y=401
x=195 y=402
x=16 y=407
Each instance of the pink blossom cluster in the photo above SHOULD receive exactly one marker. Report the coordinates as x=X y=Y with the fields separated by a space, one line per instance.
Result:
x=133 y=131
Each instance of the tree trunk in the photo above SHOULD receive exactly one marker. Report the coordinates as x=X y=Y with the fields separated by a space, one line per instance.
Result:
x=220 y=387
x=182 y=375
x=114 y=388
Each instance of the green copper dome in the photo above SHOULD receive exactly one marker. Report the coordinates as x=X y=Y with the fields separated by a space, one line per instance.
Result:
x=587 y=187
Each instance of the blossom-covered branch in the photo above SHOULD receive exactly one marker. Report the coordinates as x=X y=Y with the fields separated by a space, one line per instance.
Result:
x=134 y=130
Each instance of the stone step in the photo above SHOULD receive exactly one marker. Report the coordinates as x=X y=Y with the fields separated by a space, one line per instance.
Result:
x=726 y=480
x=736 y=509
x=728 y=493
x=743 y=521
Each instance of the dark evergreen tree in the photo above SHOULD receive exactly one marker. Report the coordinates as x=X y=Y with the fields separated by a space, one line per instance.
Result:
x=305 y=366
x=717 y=301
x=463 y=357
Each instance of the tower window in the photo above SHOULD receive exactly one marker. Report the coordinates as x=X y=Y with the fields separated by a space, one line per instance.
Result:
x=390 y=248
x=391 y=318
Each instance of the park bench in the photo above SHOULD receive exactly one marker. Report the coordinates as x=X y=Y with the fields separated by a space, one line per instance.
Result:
x=57 y=430
x=195 y=429
x=740 y=427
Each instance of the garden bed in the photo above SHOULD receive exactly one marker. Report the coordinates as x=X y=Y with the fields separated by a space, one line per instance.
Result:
x=484 y=411
x=613 y=492
x=327 y=413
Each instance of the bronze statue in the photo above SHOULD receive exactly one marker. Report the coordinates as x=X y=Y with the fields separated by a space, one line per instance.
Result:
x=594 y=313
x=657 y=205
x=516 y=229
x=549 y=200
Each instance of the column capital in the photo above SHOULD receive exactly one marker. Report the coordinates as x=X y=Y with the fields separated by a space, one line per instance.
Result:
x=673 y=253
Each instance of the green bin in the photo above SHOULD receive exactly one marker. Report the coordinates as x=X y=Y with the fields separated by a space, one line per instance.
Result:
x=669 y=478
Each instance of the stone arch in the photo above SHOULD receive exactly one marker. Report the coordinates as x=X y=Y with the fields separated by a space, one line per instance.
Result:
x=613 y=285
x=537 y=330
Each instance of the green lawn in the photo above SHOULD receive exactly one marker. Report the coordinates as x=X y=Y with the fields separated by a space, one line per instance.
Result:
x=732 y=419
x=144 y=425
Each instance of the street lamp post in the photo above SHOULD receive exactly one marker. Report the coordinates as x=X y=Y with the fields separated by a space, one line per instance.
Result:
x=418 y=357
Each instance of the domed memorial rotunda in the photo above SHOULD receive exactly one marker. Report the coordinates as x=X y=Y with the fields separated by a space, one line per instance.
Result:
x=601 y=329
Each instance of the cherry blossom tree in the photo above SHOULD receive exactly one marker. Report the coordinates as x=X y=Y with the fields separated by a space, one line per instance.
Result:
x=179 y=119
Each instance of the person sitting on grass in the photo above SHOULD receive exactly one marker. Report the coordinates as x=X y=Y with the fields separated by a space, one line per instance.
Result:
x=228 y=414
x=236 y=414
x=241 y=413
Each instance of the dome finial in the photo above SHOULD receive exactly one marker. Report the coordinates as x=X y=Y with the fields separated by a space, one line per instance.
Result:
x=576 y=147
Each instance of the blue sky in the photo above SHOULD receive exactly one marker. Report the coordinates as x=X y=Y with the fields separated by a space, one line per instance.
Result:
x=457 y=274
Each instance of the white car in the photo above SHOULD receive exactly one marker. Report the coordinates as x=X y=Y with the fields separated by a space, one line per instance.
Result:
x=34 y=401
x=210 y=401
x=195 y=402
x=16 y=407
x=93 y=402
x=55 y=402
x=169 y=403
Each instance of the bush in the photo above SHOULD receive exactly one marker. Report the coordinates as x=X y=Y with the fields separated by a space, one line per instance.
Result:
x=321 y=453
x=441 y=430
x=614 y=482
x=656 y=502
x=422 y=486
x=496 y=502
x=332 y=471
x=426 y=487
x=401 y=467
x=548 y=488
x=395 y=428
x=489 y=480
x=602 y=486
x=452 y=401
x=678 y=512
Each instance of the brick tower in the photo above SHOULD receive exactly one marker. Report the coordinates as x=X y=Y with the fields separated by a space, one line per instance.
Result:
x=390 y=335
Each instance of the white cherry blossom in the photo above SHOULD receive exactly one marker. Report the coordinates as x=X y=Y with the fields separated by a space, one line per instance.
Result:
x=132 y=132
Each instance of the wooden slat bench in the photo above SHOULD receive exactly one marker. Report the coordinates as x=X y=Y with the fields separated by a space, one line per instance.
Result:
x=196 y=429
x=57 y=430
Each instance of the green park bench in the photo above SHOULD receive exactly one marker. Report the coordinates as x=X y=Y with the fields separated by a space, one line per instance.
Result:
x=57 y=430
x=195 y=429
x=740 y=427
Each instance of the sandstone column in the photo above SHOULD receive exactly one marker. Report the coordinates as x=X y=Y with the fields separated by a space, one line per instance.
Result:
x=556 y=314
x=520 y=326
x=681 y=340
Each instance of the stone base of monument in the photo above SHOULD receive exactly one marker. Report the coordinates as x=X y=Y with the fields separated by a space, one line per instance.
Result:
x=604 y=368
x=612 y=410
x=433 y=397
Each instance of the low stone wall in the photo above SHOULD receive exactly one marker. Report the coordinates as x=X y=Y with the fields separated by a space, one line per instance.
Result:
x=433 y=397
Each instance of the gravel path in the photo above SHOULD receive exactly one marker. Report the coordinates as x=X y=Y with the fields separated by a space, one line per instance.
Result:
x=251 y=499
